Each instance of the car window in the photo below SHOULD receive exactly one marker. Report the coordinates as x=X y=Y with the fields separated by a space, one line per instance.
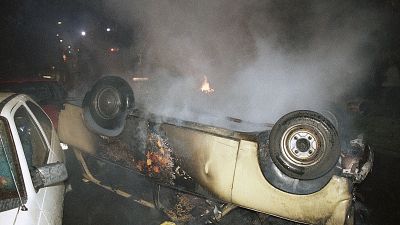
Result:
x=33 y=143
x=10 y=173
x=42 y=118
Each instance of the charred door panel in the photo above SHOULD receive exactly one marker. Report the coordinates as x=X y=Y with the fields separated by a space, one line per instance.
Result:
x=210 y=160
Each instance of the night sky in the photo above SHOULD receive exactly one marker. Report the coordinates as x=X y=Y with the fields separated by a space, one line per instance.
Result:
x=29 y=43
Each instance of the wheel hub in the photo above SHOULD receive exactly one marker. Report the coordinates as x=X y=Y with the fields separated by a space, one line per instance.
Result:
x=108 y=103
x=301 y=146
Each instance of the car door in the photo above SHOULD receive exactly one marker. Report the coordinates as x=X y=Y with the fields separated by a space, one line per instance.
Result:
x=53 y=200
x=12 y=189
x=36 y=135
x=32 y=152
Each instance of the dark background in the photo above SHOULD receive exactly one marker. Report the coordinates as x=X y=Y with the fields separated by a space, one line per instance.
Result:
x=29 y=45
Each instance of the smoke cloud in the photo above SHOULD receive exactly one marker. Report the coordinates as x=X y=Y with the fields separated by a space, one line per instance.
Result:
x=263 y=58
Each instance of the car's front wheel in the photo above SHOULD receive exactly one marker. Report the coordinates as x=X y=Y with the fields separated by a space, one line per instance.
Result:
x=304 y=145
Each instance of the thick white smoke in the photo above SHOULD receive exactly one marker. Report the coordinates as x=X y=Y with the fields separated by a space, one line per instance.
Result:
x=263 y=58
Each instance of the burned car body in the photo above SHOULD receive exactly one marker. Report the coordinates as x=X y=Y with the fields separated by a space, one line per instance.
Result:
x=296 y=169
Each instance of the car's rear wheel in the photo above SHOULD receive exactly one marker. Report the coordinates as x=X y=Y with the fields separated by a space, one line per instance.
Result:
x=304 y=145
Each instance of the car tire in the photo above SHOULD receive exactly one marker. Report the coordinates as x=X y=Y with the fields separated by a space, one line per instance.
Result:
x=283 y=182
x=106 y=105
x=304 y=145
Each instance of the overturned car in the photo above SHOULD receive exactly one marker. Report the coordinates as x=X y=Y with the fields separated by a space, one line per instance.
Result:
x=300 y=168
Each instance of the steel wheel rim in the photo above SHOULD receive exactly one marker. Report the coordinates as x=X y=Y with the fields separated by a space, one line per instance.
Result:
x=302 y=145
x=108 y=103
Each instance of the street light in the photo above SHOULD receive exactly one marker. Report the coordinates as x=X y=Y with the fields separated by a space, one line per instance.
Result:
x=83 y=33
x=108 y=29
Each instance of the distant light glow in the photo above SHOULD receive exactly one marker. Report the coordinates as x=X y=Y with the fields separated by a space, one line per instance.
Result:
x=108 y=29
x=69 y=46
x=46 y=77
x=61 y=40
x=58 y=35
x=59 y=22
x=140 y=78
x=114 y=49
x=83 y=33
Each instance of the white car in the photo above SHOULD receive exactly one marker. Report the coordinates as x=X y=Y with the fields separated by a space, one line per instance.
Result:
x=32 y=170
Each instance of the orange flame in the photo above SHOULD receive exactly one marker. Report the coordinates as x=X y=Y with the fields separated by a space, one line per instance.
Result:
x=205 y=87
